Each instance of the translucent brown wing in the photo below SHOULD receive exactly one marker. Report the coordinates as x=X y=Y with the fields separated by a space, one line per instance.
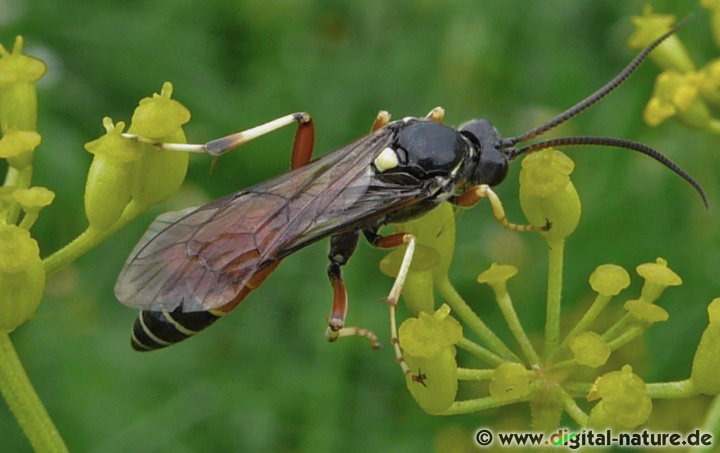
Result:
x=200 y=258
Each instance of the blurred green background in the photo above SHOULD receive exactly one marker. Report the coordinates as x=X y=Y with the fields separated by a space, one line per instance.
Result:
x=264 y=378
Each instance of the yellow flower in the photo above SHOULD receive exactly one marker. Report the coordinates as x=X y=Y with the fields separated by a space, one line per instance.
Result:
x=609 y=280
x=590 y=349
x=625 y=401
x=706 y=366
x=159 y=173
x=428 y=346
x=548 y=194
x=109 y=180
x=22 y=277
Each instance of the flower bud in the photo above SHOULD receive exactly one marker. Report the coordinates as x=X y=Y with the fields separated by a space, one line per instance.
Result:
x=548 y=194
x=646 y=311
x=159 y=173
x=657 y=277
x=18 y=97
x=497 y=276
x=625 y=400
x=671 y=54
x=109 y=180
x=609 y=280
x=705 y=374
x=32 y=200
x=590 y=349
x=17 y=146
x=22 y=277
x=428 y=346
x=677 y=95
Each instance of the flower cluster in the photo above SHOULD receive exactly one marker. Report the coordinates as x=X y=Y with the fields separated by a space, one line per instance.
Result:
x=125 y=178
x=684 y=91
x=559 y=378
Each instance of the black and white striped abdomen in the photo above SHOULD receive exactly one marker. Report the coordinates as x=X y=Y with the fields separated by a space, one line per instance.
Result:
x=158 y=329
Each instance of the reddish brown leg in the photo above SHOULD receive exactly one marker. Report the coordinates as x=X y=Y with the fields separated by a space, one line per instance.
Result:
x=342 y=247
x=303 y=144
x=302 y=147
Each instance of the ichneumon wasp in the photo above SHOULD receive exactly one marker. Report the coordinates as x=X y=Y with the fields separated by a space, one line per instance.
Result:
x=193 y=266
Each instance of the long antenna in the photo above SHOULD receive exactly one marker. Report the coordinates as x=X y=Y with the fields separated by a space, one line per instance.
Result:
x=599 y=94
x=615 y=143
x=511 y=152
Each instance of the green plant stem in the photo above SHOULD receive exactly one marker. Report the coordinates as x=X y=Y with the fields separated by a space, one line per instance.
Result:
x=25 y=403
x=588 y=318
x=461 y=308
x=18 y=179
x=625 y=338
x=88 y=239
x=487 y=402
x=669 y=390
x=571 y=407
x=578 y=389
x=508 y=311
x=482 y=353
x=618 y=328
x=556 y=250
x=467 y=374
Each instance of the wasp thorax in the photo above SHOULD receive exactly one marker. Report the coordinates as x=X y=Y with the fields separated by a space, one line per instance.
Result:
x=430 y=148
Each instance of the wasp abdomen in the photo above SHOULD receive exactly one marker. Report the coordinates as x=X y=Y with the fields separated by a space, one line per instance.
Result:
x=158 y=329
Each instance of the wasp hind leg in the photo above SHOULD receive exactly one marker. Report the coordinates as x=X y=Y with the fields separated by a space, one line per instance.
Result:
x=302 y=146
x=389 y=242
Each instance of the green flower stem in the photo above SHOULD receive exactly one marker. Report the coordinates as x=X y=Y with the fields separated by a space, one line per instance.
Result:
x=482 y=353
x=552 y=322
x=625 y=338
x=571 y=407
x=578 y=389
x=29 y=219
x=508 y=311
x=89 y=239
x=467 y=374
x=588 y=318
x=619 y=327
x=474 y=405
x=488 y=402
x=669 y=390
x=19 y=179
x=566 y=367
x=25 y=403
x=461 y=308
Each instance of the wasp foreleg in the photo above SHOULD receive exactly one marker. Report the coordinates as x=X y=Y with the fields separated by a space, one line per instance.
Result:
x=472 y=196
x=387 y=242
x=342 y=247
